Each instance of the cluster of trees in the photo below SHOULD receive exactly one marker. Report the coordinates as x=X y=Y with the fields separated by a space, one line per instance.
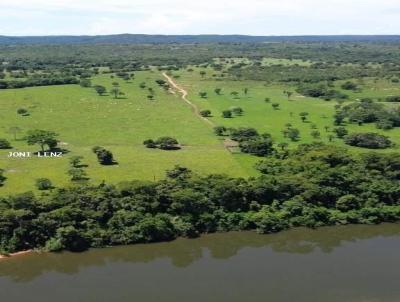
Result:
x=290 y=132
x=126 y=76
x=368 y=111
x=315 y=73
x=368 y=140
x=349 y=86
x=115 y=91
x=315 y=185
x=249 y=140
x=320 y=91
x=237 y=111
x=32 y=82
x=163 y=143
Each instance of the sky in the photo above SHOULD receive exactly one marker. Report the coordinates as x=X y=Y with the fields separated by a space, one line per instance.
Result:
x=250 y=17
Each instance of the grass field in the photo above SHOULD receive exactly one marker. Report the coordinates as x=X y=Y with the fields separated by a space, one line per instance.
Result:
x=83 y=120
x=261 y=115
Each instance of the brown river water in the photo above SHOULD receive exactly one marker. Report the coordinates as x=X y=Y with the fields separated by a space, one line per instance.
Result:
x=333 y=264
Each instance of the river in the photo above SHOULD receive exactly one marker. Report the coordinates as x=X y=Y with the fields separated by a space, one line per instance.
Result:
x=333 y=264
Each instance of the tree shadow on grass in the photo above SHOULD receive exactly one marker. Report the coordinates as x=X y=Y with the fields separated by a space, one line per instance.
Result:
x=81 y=166
x=170 y=148
x=113 y=163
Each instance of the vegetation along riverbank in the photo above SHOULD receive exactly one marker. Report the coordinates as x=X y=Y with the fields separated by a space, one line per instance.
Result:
x=313 y=185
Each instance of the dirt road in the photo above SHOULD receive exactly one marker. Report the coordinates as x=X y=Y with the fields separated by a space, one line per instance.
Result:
x=184 y=94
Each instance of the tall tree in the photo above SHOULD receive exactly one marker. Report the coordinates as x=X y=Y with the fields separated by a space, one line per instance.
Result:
x=42 y=138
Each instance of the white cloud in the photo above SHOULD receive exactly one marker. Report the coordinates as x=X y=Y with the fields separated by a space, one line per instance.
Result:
x=260 y=17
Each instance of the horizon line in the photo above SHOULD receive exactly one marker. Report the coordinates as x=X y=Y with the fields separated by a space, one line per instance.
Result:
x=244 y=35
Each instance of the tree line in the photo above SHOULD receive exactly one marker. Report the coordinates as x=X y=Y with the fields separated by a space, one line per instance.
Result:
x=43 y=81
x=314 y=185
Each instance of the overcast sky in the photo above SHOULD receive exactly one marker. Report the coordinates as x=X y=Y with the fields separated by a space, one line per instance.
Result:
x=254 y=17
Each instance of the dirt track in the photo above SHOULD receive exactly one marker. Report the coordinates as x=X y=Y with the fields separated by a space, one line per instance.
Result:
x=184 y=93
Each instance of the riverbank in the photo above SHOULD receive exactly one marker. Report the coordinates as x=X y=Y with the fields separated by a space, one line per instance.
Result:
x=15 y=254
x=330 y=264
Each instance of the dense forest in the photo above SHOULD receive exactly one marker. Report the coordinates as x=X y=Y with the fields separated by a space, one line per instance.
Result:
x=327 y=61
x=134 y=56
x=314 y=185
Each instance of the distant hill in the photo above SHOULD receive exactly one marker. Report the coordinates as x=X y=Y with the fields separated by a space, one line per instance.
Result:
x=168 y=39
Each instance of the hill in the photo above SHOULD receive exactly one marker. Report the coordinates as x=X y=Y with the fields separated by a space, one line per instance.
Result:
x=188 y=39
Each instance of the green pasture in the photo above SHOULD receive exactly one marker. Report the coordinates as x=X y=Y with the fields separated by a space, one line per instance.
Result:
x=83 y=120
x=262 y=116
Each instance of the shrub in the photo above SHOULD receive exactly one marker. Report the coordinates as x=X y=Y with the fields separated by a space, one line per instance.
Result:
x=384 y=124
x=293 y=134
x=167 y=143
x=203 y=94
x=4 y=144
x=161 y=82
x=275 y=106
x=149 y=143
x=22 y=111
x=393 y=98
x=315 y=134
x=237 y=110
x=349 y=86
x=341 y=132
x=219 y=130
x=105 y=157
x=205 y=113
x=77 y=174
x=100 y=89
x=226 y=114
x=85 y=83
x=2 y=177
x=76 y=161
x=43 y=184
